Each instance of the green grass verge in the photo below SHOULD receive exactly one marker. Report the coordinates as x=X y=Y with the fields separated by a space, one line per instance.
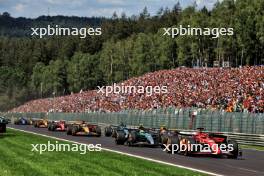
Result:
x=17 y=159
x=254 y=147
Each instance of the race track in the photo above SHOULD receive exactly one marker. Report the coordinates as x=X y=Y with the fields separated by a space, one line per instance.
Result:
x=251 y=163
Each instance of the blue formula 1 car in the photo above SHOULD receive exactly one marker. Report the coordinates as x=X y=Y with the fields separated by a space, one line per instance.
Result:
x=23 y=121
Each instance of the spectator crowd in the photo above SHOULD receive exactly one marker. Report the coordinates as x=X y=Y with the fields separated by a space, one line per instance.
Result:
x=228 y=89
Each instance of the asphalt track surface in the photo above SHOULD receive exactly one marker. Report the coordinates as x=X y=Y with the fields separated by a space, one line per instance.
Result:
x=251 y=163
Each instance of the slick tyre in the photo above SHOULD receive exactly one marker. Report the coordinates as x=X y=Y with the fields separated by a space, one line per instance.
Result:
x=52 y=127
x=108 y=131
x=235 y=151
x=74 y=130
x=98 y=131
x=69 y=130
x=163 y=140
x=174 y=144
x=36 y=124
x=4 y=128
x=189 y=150
x=132 y=138
x=120 y=138
x=49 y=127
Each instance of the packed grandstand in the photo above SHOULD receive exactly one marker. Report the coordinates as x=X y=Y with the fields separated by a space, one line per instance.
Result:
x=226 y=89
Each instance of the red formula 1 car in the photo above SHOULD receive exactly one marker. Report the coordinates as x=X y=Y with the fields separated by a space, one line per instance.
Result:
x=203 y=143
x=57 y=126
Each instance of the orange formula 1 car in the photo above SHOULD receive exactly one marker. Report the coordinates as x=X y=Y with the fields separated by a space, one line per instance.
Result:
x=83 y=129
x=40 y=123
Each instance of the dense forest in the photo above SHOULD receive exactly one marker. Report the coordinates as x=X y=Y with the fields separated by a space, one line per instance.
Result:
x=20 y=27
x=32 y=68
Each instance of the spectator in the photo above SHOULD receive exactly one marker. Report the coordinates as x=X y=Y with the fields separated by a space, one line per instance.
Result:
x=234 y=89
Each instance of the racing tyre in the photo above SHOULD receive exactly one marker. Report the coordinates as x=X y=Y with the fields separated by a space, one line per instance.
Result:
x=173 y=140
x=235 y=151
x=98 y=131
x=2 y=128
x=36 y=124
x=52 y=127
x=69 y=130
x=74 y=130
x=49 y=127
x=108 y=131
x=189 y=150
x=163 y=140
x=120 y=138
x=132 y=138
x=114 y=133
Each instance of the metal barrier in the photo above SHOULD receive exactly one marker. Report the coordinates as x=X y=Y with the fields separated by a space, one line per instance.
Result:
x=240 y=126
x=247 y=139
x=172 y=118
x=241 y=138
x=244 y=127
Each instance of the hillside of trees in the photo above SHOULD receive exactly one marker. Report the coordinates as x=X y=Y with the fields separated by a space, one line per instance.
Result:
x=20 y=27
x=32 y=68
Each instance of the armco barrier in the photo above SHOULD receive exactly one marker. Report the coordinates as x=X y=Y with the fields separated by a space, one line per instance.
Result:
x=247 y=139
x=245 y=127
x=241 y=138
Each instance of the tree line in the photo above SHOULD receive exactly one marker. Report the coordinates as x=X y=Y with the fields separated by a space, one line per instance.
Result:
x=129 y=46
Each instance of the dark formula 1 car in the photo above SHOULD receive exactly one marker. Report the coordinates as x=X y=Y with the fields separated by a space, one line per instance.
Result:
x=83 y=129
x=112 y=129
x=168 y=137
x=120 y=133
x=57 y=126
x=3 y=123
x=203 y=143
x=23 y=121
x=40 y=123
x=138 y=137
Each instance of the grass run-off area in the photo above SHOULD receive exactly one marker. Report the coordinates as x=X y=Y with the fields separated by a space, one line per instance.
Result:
x=17 y=159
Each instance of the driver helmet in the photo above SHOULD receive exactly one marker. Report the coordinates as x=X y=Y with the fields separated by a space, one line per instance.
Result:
x=141 y=127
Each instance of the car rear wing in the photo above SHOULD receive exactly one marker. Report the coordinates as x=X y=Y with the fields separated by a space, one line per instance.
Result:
x=186 y=133
x=57 y=121
x=80 y=123
x=34 y=119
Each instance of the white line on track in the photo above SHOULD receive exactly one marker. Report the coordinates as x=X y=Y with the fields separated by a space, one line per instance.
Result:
x=124 y=153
